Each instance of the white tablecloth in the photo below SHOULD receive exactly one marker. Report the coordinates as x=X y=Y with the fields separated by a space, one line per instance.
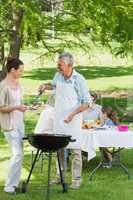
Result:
x=92 y=139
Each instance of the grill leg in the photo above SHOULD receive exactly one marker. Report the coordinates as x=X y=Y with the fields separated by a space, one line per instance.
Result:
x=33 y=165
x=42 y=162
x=64 y=185
x=49 y=171
x=24 y=185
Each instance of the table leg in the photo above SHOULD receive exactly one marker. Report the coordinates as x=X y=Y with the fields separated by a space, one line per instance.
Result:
x=94 y=170
x=125 y=170
x=116 y=161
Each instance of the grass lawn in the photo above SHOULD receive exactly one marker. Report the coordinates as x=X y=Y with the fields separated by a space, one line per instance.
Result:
x=104 y=74
x=107 y=184
x=102 y=71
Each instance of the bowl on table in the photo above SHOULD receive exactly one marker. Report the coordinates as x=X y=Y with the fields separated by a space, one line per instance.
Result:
x=123 y=128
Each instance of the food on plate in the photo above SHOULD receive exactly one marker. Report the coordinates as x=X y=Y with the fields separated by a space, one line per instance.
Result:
x=86 y=125
x=98 y=122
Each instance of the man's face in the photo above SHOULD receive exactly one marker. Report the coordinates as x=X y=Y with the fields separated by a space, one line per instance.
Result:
x=63 y=68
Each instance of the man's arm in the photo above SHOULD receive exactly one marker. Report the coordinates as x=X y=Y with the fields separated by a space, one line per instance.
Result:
x=79 y=109
x=45 y=86
x=49 y=86
x=85 y=100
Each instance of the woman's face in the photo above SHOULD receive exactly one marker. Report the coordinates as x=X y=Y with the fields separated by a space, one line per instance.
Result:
x=105 y=116
x=17 y=73
x=93 y=99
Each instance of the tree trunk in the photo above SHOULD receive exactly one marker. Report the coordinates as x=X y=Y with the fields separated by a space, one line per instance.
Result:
x=16 y=37
x=1 y=52
x=3 y=71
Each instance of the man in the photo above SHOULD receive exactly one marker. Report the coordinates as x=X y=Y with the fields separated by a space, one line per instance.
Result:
x=71 y=99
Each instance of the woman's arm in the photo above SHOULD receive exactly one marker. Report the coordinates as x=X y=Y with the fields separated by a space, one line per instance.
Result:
x=5 y=106
x=8 y=109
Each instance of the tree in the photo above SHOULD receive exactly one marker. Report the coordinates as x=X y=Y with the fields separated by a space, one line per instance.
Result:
x=106 y=22
x=15 y=33
x=25 y=23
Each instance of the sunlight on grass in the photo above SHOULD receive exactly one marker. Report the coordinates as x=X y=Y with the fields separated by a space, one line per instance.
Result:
x=107 y=84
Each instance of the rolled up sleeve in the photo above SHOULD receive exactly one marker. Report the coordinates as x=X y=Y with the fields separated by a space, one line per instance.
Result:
x=54 y=81
x=85 y=97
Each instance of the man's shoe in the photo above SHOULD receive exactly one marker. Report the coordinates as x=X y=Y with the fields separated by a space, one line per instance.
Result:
x=18 y=190
x=76 y=184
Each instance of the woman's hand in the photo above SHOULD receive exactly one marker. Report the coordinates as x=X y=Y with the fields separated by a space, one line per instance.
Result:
x=21 y=108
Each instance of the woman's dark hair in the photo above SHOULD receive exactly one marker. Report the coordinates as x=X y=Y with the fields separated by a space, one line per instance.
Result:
x=13 y=63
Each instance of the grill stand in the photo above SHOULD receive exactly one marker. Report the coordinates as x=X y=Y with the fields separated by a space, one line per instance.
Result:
x=64 y=185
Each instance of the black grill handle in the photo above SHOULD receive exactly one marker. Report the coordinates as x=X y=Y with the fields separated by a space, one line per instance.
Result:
x=37 y=97
x=25 y=138
x=72 y=140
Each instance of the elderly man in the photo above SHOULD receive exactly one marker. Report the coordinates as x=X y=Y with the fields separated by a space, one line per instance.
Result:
x=71 y=99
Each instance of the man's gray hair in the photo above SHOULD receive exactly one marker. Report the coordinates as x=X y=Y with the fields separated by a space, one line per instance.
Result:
x=67 y=57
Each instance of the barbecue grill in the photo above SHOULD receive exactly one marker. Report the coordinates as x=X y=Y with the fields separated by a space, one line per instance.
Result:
x=47 y=143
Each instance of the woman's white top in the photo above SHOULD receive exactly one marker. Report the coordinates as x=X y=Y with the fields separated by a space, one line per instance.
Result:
x=93 y=113
x=17 y=116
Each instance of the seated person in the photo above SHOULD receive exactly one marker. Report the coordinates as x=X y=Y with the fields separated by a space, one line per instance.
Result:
x=112 y=115
x=94 y=112
x=107 y=118
x=108 y=115
x=114 y=118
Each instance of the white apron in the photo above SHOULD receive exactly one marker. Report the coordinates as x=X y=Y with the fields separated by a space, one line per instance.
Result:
x=45 y=121
x=65 y=102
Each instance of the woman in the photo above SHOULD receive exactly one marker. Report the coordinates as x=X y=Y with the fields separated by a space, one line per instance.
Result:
x=11 y=119
x=94 y=112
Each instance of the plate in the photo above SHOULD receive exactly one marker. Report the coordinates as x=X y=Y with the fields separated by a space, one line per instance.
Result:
x=100 y=128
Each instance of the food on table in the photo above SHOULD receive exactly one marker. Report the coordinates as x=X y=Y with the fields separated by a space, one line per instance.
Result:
x=98 y=122
x=88 y=124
